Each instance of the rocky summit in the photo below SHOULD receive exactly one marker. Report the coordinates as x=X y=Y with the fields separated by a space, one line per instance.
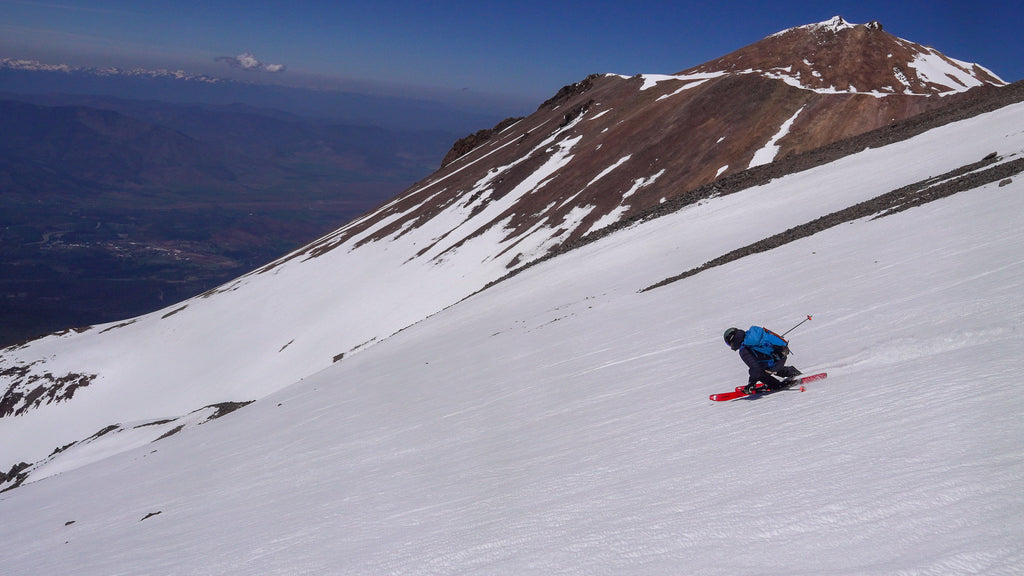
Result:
x=610 y=147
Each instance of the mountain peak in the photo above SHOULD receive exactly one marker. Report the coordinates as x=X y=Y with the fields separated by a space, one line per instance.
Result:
x=835 y=57
x=833 y=25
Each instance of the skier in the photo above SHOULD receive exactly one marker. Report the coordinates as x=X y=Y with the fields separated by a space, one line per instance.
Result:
x=764 y=352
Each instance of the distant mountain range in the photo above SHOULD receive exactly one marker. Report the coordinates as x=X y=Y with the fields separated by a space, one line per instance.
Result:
x=37 y=66
x=113 y=207
x=407 y=112
x=126 y=189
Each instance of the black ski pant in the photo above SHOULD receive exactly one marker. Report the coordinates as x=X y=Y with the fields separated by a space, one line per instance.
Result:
x=759 y=369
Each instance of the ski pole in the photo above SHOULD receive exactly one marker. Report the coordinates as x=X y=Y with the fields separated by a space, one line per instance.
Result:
x=797 y=326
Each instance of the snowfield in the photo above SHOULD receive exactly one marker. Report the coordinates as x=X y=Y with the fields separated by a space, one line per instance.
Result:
x=559 y=422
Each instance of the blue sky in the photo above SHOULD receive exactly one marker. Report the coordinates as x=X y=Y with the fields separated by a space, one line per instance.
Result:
x=523 y=50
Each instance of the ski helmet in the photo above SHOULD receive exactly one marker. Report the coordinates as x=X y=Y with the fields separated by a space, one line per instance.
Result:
x=734 y=337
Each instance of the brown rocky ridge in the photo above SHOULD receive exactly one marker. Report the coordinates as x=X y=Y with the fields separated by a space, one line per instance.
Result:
x=611 y=147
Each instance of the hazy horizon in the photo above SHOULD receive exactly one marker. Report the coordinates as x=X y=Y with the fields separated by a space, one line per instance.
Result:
x=495 y=51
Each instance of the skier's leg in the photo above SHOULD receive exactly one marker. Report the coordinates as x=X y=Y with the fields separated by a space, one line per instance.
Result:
x=759 y=375
x=787 y=371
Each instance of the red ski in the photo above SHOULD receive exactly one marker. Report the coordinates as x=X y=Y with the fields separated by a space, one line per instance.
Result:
x=739 y=393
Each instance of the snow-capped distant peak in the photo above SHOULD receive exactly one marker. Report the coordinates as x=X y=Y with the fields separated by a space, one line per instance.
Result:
x=37 y=66
x=834 y=24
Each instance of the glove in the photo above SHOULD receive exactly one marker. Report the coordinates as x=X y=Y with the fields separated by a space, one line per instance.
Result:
x=780 y=354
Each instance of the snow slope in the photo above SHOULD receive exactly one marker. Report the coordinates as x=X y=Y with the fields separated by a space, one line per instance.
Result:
x=600 y=151
x=558 y=422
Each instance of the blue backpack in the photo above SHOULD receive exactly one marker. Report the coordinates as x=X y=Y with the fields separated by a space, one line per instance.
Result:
x=763 y=342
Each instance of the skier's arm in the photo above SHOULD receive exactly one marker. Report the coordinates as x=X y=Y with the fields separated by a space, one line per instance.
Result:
x=747 y=355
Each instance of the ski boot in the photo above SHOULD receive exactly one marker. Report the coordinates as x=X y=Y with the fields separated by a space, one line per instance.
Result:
x=755 y=388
